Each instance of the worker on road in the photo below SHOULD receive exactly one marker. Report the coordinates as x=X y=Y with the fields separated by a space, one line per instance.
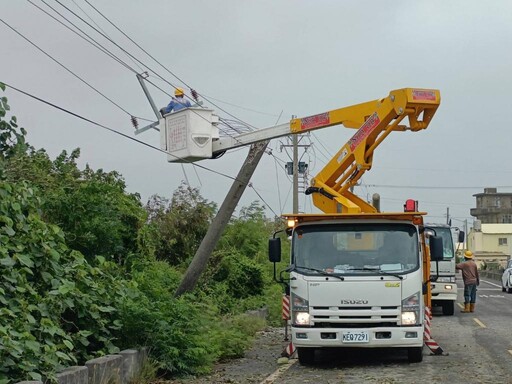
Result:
x=471 y=281
x=177 y=103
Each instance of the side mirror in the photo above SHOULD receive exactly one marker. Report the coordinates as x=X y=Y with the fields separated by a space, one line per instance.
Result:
x=274 y=250
x=462 y=237
x=436 y=248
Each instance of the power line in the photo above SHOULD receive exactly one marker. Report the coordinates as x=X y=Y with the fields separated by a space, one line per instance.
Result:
x=264 y=202
x=105 y=50
x=96 y=44
x=135 y=140
x=114 y=130
x=87 y=38
x=66 y=68
x=432 y=187
x=486 y=171
x=99 y=46
x=147 y=53
x=240 y=107
x=90 y=18
x=278 y=188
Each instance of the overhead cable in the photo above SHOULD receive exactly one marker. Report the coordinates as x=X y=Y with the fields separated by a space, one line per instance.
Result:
x=433 y=186
x=92 y=20
x=87 y=38
x=67 y=69
x=128 y=53
x=135 y=140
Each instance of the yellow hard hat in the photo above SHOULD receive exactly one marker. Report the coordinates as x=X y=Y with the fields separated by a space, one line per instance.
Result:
x=178 y=92
x=468 y=255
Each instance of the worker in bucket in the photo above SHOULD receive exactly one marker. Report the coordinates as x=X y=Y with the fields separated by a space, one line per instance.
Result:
x=177 y=103
x=471 y=280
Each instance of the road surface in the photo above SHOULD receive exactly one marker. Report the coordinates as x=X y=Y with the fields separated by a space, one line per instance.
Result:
x=478 y=349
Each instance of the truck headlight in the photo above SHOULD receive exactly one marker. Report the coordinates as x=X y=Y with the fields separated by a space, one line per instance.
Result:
x=408 y=318
x=301 y=318
x=300 y=310
x=411 y=309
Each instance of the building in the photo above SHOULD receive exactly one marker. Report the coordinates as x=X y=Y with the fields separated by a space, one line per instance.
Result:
x=490 y=239
x=491 y=243
x=493 y=207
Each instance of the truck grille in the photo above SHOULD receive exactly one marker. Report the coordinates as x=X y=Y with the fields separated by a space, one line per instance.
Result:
x=355 y=317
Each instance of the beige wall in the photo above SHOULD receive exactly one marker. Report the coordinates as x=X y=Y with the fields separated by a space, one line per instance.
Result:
x=489 y=242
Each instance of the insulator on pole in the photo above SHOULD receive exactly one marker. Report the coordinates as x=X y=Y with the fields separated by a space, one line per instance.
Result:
x=135 y=123
x=194 y=94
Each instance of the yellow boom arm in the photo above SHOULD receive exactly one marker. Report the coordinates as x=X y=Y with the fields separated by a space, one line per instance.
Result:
x=375 y=120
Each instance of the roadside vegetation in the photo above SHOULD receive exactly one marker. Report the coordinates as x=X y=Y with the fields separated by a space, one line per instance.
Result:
x=88 y=269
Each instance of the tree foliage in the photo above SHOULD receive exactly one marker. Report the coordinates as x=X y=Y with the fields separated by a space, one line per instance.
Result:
x=178 y=226
x=12 y=137
x=96 y=214
x=248 y=233
x=61 y=303
x=57 y=309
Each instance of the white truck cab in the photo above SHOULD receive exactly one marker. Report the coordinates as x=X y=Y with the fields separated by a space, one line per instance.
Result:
x=358 y=281
x=444 y=289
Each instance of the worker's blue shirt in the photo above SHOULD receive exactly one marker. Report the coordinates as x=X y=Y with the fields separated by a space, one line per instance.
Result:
x=177 y=104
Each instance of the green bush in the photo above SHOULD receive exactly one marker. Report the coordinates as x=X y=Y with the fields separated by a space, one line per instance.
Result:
x=242 y=276
x=57 y=309
x=175 y=329
x=235 y=334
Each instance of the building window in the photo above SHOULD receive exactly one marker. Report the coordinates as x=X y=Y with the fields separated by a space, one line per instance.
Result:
x=502 y=241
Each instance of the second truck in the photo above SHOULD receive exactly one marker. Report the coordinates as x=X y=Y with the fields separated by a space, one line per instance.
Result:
x=444 y=289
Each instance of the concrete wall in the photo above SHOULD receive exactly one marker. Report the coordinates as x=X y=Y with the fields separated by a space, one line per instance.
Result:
x=115 y=369
x=496 y=276
x=110 y=369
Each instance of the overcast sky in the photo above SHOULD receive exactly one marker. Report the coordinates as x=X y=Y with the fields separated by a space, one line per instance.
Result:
x=258 y=60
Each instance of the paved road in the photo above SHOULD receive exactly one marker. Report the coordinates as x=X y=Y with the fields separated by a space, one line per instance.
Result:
x=478 y=346
x=478 y=350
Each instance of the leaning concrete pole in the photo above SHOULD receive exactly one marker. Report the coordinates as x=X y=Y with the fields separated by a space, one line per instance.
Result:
x=198 y=264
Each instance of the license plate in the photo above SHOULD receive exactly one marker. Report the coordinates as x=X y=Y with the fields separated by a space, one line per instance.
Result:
x=355 y=337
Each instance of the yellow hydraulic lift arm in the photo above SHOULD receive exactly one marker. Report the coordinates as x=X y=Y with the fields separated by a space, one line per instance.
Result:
x=375 y=120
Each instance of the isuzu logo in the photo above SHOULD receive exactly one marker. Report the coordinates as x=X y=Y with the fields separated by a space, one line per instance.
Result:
x=354 y=301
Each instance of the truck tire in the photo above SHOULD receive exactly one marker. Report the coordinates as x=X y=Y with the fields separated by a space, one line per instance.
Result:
x=448 y=308
x=415 y=354
x=306 y=355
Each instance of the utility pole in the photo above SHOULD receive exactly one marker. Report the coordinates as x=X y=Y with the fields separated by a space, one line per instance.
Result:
x=295 y=142
x=448 y=215
x=215 y=230
x=466 y=232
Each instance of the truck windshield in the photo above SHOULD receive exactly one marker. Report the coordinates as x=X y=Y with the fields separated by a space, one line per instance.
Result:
x=446 y=234
x=369 y=249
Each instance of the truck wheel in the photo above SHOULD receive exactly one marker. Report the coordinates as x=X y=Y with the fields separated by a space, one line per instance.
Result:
x=306 y=355
x=509 y=290
x=448 y=308
x=415 y=354
x=503 y=289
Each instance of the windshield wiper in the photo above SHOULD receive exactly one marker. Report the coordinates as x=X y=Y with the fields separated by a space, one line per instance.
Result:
x=380 y=271
x=294 y=267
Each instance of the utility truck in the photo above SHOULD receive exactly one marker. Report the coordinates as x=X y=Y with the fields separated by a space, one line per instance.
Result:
x=359 y=278
x=444 y=289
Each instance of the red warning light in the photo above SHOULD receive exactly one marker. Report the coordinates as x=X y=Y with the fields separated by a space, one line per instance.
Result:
x=411 y=205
